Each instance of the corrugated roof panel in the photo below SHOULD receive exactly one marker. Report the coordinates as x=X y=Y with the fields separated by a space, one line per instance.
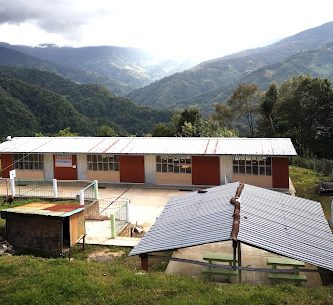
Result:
x=190 y=220
x=287 y=225
x=149 y=145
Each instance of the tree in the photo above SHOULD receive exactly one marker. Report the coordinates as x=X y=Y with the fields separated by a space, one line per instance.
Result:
x=105 y=131
x=244 y=102
x=223 y=115
x=267 y=105
x=304 y=112
x=190 y=115
x=66 y=132
x=163 y=130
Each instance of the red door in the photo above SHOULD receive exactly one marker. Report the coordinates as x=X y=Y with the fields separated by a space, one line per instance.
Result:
x=205 y=170
x=65 y=167
x=6 y=165
x=132 y=169
x=280 y=172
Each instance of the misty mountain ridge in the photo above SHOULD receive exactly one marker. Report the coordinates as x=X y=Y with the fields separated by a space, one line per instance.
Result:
x=131 y=67
x=214 y=80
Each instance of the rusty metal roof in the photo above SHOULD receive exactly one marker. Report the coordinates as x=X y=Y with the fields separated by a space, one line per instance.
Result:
x=46 y=209
x=151 y=145
x=283 y=224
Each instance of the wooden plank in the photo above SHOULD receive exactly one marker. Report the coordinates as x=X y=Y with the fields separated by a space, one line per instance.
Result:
x=215 y=256
x=284 y=262
x=287 y=276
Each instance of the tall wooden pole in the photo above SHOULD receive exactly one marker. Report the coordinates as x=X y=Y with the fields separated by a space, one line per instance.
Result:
x=239 y=257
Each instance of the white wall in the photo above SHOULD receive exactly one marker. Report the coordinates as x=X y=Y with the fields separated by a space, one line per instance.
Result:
x=48 y=166
x=225 y=168
x=82 y=166
x=150 y=169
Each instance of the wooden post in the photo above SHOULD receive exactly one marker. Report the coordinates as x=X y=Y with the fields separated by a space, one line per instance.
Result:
x=239 y=258
x=144 y=261
x=234 y=246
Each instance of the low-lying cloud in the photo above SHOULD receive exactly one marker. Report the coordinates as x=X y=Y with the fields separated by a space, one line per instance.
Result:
x=60 y=16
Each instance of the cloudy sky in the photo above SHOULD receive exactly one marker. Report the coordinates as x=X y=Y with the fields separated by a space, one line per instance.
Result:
x=196 y=29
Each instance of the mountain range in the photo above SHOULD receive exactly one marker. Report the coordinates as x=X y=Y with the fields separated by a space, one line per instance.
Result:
x=119 y=69
x=213 y=81
x=83 y=77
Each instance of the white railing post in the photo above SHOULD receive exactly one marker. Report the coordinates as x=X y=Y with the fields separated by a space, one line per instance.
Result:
x=55 y=188
x=127 y=211
x=81 y=197
x=12 y=187
x=96 y=189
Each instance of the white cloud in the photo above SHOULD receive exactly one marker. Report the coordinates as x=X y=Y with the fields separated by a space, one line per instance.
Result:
x=197 y=28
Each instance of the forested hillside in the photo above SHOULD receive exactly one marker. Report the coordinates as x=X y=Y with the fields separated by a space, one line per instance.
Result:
x=39 y=101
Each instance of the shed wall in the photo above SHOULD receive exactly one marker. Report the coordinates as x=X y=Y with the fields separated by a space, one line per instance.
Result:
x=34 y=232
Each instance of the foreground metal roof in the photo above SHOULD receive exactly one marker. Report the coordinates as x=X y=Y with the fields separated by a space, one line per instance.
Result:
x=287 y=225
x=151 y=145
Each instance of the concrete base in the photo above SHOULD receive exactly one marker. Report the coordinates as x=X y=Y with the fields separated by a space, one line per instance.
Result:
x=251 y=257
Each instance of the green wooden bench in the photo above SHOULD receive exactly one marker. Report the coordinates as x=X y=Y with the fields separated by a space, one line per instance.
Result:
x=212 y=258
x=277 y=262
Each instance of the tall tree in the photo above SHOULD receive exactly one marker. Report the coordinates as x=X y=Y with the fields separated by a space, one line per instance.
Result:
x=223 y=115
x=304 y=112
x=267 y=105
x=244 y=102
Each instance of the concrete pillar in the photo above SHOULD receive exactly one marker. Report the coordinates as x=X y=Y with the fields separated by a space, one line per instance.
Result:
x=150 y=169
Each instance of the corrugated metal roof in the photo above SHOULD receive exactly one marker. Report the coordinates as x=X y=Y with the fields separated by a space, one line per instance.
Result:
x=287 y=225
x=151 y=145
x=190 y=220
x=53 y=210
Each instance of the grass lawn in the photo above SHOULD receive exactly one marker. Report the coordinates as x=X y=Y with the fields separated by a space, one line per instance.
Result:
x=305 y=182
x=31 y=280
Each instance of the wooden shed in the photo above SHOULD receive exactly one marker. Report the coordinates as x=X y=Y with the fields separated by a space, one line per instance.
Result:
x=41 y=228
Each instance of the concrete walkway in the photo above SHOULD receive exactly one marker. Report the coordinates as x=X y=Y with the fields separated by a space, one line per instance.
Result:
x=251 y=257
x=145 y=206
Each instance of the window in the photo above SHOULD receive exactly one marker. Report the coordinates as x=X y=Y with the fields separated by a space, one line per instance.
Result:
x=173 y=164
x=252 y=166
x=28 y=161
x=103 y=162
